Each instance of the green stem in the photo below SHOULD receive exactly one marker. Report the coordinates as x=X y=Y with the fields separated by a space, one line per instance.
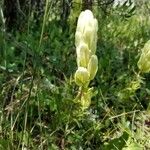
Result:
x=44 y=22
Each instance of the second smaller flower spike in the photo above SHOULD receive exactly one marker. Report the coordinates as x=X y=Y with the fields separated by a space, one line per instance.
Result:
x=144 y=61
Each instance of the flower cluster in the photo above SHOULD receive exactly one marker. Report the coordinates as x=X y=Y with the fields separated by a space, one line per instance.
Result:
x=85 y=42
x=144 y=61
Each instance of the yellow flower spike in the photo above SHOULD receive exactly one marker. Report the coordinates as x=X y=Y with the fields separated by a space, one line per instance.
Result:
x=83 y=55
x=93 y=66
x=81 y=76
x=86 y=42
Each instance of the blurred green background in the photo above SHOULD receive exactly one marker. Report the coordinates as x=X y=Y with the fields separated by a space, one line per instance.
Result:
x=37 y=66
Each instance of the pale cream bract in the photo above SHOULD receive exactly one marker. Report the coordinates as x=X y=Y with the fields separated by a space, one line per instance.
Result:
x=81 y=76
x=93 y=66
x=83 y=55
